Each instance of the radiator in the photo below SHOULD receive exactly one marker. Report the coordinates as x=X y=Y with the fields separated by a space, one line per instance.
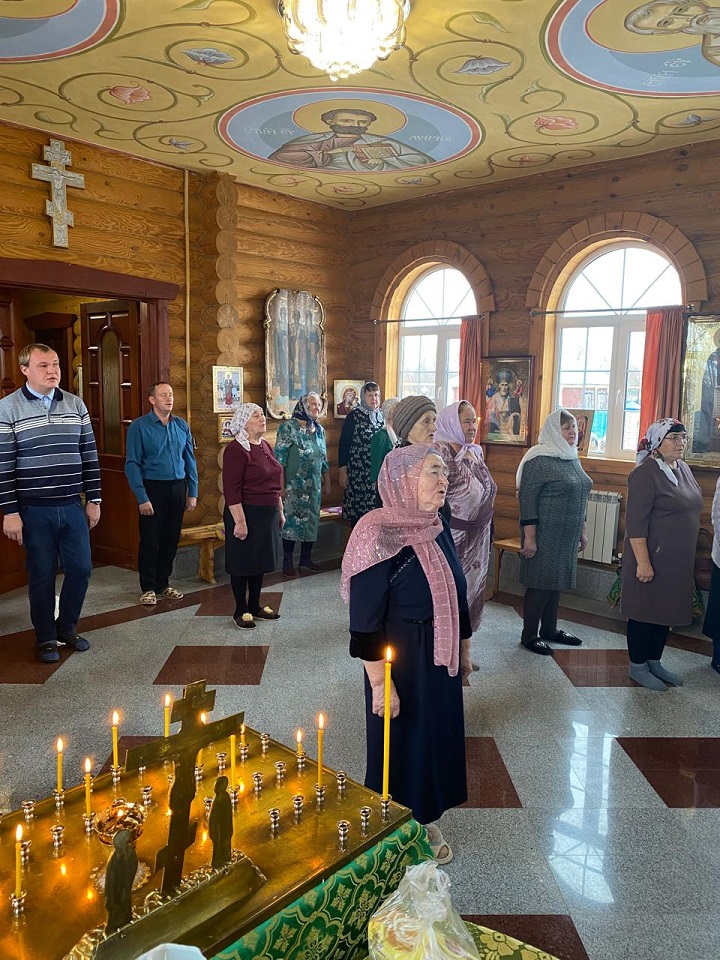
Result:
x=603 y=513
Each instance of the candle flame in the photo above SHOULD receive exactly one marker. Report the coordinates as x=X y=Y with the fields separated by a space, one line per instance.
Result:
x=321 y=721
x=88 y=764
x=168 y=700
x=242 y=729
x=18 y=832
x=63 y=869
x=115 y=718
x=388 y=654
x=59 y=744
x=203 y=718
x=298 y=737
x=90 y=894
x=241 y=787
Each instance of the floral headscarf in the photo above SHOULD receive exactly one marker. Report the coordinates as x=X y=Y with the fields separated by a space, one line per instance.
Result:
x=302 y=412
x=240 y=418
x=649 y=446
x=375 y=416
x=383 y=533
x=449 y=429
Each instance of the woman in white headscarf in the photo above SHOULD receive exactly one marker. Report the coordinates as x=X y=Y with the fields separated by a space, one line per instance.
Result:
x=661 y=528
x=252 y=482
x=553 y=489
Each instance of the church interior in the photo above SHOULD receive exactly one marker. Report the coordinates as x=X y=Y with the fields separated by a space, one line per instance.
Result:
x=505 y=147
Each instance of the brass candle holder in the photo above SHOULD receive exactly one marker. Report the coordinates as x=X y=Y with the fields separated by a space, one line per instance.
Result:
x=59 y=796
x=18 y=904
x=115 y=772
x=341 y=778
x=264 y=742
x=89 y=821
x=365 y=813
x=385 y=808
x=319 y=795
x=25 y=852
x=300 y=762
x=208 y=801
x=280 y=770
x=257 y=783
x=343 y=831
x=274 y=815
x=147 y=792
x=57 y=831
x=222 y=760
x=28 y=809
x=298 y=801
x=234 y=794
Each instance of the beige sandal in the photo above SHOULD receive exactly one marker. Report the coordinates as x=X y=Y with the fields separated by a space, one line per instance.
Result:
x=148 y=599
x=170 y=593
x=441 y=849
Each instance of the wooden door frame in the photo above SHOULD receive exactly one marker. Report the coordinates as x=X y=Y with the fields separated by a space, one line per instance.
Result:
x=153 y=295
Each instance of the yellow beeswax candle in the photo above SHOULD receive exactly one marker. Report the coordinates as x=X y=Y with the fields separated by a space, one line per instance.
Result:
x=233 y=742
x=386 y=727
x=88 y=768
x=59 y=745
x=18 y=859
x=298 y=737
x=242 y=735
x=115 y=722
x=321 y=731
x=168 y=711
x=203 y=719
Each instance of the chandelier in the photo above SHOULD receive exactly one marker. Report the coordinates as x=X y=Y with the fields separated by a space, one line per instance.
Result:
x=343 y=37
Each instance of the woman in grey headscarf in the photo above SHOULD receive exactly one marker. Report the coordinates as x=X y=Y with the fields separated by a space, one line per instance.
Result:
x=252 y=480
x=354 y=453
x=661 y=527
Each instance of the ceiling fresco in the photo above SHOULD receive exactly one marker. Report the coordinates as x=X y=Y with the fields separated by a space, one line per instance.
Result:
x=481 y=92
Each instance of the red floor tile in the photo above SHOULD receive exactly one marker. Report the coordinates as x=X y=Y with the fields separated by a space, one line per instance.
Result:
x=489 y=783
x=553 y=934
x=222 y=603
x=683 y=771
x=18 y=663
x=585 y=667
x=229 y=666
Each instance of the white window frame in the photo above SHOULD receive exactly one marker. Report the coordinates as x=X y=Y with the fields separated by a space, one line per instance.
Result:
x=624 y=322
x=445 y=333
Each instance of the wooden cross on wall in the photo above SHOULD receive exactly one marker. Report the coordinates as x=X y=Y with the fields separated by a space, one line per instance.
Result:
x=59 y=178
x=183 y=748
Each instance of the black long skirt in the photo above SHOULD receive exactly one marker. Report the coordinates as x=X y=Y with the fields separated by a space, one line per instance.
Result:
x=427 y=738
x=711 y=625
x=259 y=552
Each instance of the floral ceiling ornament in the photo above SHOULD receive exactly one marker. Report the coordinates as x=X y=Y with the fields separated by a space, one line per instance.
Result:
x=344 y=37
x=134 y=94
x=482 y=65
x=556 y=123
x=209 y=56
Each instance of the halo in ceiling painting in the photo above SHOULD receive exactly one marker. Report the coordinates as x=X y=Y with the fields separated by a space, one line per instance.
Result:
x=628 y=46
x=360 y=130
x=74 y=27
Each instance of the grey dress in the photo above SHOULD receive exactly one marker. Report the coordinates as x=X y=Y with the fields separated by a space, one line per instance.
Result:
x=553 y=495
x=668 y=516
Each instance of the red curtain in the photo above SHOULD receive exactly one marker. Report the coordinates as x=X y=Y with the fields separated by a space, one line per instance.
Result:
x=471 y=388
x=660 y=395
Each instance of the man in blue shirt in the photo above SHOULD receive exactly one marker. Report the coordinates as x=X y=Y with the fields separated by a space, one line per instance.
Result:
x=162 y=473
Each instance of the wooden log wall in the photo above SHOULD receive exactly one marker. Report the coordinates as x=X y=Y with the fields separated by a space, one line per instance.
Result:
x=245 y=243
x=510 y=227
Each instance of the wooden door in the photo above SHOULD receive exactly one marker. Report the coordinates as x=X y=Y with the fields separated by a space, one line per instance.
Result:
x=12 y=557
x=111 y=391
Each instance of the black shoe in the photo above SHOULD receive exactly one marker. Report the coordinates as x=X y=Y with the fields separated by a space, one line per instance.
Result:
x=244 y=621
x=79 y=644
x=567 y=638
x=47 y=652
x=309 y=565
x=537 y=646
x=265 y=613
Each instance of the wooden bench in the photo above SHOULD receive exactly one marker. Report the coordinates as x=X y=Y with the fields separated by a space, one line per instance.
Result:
x=210 y=536
x=511 y=545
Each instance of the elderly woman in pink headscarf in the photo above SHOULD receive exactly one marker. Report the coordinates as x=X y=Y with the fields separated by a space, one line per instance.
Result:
x=661 y=527
x=406 y=590
x=252 y=480
x=471 y=495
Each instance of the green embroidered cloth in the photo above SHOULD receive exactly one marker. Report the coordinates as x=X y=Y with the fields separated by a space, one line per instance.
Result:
x=330 y=921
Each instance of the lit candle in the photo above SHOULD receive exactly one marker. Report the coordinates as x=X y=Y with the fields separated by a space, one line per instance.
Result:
x=386 y=731
x=242 y=735
x=18 y=860
x=298 y=737
x=321 y=731
x=233 y=741
x=59 y=745
x=88 y=768
x=115 y=722
x=203 y=719
x=168 y=711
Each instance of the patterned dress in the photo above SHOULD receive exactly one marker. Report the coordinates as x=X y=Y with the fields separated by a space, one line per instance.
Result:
x=471 y=495
x=354 y=453
x=304 y=458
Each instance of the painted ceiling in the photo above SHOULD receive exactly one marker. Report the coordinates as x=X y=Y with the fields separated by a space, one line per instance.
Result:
x=482 y=91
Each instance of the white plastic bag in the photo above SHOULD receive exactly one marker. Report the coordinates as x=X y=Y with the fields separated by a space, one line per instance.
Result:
x=172 y=951
x=418 y=921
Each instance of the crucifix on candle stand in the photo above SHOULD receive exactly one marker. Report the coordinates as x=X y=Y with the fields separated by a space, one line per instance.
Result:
x=59 y=179
x=183 y=748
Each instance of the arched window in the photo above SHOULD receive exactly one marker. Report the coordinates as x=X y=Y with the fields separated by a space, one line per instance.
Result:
x=429 y=360
x=601 y=339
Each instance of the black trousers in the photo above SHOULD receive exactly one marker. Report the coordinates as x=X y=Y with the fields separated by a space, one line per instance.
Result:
x=646 y=641
x=159 y=534
x=246 y=591
x=540 y=608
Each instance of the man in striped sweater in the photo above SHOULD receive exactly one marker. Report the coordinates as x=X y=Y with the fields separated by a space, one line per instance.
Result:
x=48 y=459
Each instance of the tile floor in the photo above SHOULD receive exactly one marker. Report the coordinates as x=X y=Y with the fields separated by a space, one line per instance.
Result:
x=592 y=827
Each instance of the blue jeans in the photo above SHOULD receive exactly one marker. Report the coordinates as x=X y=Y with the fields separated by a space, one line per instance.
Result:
x=53 y=535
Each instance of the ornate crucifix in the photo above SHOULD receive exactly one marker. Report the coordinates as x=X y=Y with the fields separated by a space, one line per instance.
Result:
x=59 y=178
x=183 y=748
